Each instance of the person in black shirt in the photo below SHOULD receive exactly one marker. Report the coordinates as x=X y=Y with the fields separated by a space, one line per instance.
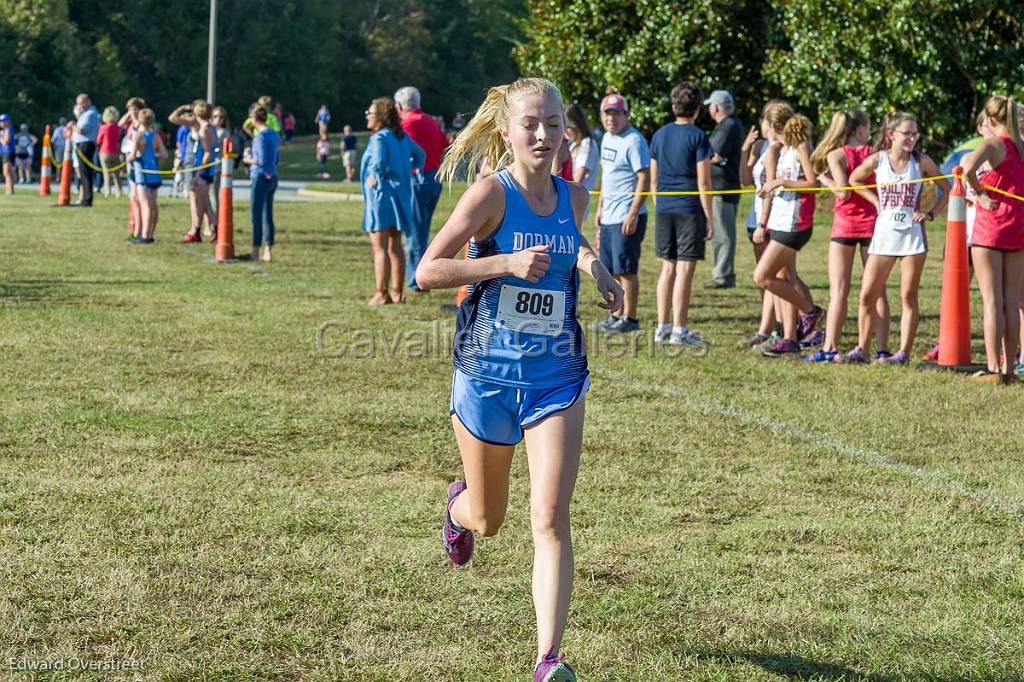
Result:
x=348 y=153
x=726 y=140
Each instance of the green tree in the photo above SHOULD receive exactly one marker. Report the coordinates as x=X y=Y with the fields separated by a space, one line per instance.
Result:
x=644 y=47
x=301 y=52
x=937 y=60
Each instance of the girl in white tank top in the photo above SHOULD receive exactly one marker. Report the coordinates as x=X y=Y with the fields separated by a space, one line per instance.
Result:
x=896 y=231
x=899 y=231
x=788 y=223
x=791 y=211
x=752 y=172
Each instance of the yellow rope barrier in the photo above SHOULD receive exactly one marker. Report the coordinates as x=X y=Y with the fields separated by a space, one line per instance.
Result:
x=713 y=192
x=91 y=165
x=113 y=169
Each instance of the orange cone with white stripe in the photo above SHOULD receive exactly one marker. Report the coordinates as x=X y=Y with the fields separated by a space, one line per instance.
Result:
x=64 y=198
x=955 y=313
x=46 y=166
x=225 y=250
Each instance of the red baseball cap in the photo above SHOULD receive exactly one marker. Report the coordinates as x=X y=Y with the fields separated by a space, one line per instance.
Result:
x=616 y=102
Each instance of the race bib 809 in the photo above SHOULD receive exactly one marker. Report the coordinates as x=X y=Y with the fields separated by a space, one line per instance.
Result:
x=534 y=311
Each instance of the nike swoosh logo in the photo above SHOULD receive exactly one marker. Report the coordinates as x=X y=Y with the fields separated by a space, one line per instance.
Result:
x=562 y=222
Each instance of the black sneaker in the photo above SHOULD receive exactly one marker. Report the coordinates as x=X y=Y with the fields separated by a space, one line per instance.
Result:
x=624 y=325
x=604 y=325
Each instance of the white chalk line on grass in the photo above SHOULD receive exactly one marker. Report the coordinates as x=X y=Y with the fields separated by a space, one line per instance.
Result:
x=934 y=478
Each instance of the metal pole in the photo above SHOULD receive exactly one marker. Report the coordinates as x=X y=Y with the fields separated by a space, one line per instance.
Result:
x=211 y=63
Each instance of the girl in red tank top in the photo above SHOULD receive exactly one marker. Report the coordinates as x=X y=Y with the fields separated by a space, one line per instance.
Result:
x=843 y=148
x=997 y=244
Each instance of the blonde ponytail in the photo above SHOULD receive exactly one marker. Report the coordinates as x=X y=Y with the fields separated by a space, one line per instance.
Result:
x=843 y=127
x=481 y=139
x=797 y=131
x=1013 y=124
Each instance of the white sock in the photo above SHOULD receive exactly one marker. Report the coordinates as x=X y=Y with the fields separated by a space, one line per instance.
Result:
x=663 y=328
x=682 y=331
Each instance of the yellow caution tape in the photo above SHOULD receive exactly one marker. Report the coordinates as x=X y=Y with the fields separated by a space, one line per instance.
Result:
x=713 y=192
x=114 y=169
x=90 y=164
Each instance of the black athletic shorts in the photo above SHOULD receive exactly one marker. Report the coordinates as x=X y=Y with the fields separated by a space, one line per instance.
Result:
x=852 y=241
x=680 y=236
x=794 y=240
x=621 y=253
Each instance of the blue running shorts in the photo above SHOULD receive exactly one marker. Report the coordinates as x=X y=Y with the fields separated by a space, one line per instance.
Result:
x=497 y=414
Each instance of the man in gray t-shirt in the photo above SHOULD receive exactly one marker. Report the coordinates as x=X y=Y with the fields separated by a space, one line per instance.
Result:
x=622 y=214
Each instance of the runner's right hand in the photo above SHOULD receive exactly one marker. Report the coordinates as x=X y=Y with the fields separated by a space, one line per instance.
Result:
x=530 y=264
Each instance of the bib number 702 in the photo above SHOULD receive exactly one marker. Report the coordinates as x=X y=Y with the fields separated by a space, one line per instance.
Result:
x=536 y=303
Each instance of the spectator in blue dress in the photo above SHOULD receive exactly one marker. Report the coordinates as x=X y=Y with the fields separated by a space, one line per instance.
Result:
x=390 y=159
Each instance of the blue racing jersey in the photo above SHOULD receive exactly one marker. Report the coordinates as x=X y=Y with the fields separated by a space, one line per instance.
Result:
x=518 y=333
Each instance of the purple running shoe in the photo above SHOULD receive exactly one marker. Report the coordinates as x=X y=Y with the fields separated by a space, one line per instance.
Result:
x=854 y=357
x=783 y=348
x=897 y=358
x=815 y=338
x=809 y=322
x=554 y=669
x=458 y=545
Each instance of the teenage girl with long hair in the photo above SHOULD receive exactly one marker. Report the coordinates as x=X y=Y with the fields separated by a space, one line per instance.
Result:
x=843 y=148
x=997 y=242
x=788 y=218
x=129 y=123
x=899 y=232
x=203 y=139
x=145 y=154
x=520 y=362
x=752 y=172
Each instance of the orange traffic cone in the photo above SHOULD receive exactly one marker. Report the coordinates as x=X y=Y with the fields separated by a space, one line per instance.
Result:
x=225 y=250
x=955 y=314
x=64 y=198
x=46 y=166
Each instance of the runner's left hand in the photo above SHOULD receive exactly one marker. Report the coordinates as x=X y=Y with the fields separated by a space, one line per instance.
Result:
x=610 y=290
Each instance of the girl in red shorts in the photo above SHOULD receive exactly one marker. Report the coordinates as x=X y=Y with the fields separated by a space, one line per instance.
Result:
x=997 y=243
x=844 y=147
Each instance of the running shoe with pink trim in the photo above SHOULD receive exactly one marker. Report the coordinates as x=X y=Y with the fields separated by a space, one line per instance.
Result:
x=857 y=356
x=457 y=544
x=898 y=358
x=809 y=322
x=554 y=669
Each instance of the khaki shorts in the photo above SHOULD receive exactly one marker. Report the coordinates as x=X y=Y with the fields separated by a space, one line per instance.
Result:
x=348 y=158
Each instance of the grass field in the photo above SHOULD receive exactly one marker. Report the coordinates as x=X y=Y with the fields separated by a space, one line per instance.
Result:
x=188 y=481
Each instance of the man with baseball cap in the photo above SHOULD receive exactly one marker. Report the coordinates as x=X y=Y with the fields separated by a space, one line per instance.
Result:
x=727 y=141
x=622 y=212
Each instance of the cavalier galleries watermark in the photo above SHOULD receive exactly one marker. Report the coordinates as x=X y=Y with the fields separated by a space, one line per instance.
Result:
x=335 y=339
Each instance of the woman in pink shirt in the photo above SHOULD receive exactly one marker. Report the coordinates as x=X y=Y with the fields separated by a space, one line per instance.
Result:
x=843 y=148
x=108 y=142
x=997 y=243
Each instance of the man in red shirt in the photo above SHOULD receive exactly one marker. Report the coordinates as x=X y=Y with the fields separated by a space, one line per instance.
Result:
x=425 y=131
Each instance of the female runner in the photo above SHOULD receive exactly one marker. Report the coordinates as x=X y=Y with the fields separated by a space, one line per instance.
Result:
x=520 y=362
